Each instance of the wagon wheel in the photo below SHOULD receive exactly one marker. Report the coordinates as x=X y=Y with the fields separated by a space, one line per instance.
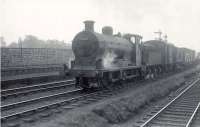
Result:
x=155 y=73
x=152 y=76
x=105 y=83
x=84 y=84
x=148 y=74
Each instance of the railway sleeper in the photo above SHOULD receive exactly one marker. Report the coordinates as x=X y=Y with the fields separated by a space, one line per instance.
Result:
x=172 y=116
x=180 y=108
x=182 y=104
x=165 y=119
x=177 y=113
x=168 y=124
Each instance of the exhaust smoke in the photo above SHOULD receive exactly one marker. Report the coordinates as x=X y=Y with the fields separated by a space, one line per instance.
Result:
x=108 y=60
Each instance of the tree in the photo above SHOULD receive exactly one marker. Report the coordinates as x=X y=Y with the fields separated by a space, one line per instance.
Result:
x=3 y=42
x=31 y=41
x=13 y=45
x=56 y=44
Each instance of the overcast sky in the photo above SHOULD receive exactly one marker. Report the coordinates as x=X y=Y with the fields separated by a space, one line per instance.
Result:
x=62 y=19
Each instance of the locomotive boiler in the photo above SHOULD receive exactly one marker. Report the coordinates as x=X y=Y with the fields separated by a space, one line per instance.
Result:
x=101 y=58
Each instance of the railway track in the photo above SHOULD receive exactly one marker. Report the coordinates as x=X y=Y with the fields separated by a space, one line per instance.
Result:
x=54 y=107
x=8 y=93
x=182 y=111
x=22 y=109
x=5 y=108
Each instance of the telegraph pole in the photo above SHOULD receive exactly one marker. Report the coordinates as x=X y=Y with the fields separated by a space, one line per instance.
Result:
x=165 y=37
x=20 y=45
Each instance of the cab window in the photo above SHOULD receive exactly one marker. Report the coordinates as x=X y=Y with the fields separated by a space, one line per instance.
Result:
x=133 y=40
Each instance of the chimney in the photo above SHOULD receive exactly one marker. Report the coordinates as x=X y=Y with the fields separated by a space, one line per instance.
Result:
x=89 y=25
x=107 y=30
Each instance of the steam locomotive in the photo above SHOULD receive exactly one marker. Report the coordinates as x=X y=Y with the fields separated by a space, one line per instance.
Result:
x=103 y=59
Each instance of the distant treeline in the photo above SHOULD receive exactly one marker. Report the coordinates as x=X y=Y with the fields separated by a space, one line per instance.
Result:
x=31 y=41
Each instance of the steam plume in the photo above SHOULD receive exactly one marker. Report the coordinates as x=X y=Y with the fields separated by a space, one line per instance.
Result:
x=108 y=60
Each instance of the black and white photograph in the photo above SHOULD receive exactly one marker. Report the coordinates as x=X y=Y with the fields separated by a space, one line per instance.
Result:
x=100 y=63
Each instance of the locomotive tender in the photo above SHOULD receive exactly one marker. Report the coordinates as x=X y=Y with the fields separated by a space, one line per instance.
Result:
x=101 y=59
